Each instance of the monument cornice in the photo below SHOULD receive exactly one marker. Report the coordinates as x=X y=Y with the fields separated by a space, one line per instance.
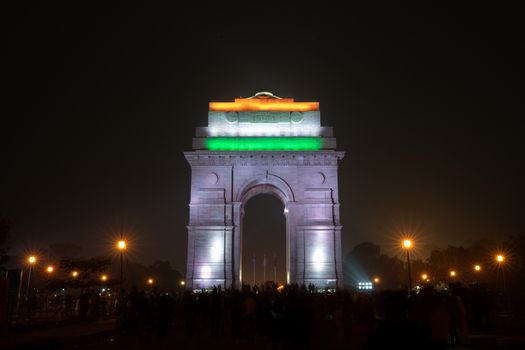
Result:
x=264 y=158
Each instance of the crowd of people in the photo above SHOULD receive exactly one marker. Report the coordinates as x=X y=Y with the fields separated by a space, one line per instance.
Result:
x=298 y=316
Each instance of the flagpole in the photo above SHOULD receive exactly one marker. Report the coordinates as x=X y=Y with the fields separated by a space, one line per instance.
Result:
x=254 y=270
x=274 y=269
x=264 y=268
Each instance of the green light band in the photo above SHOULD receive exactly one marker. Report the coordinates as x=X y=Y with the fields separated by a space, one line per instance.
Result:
x=263 y=143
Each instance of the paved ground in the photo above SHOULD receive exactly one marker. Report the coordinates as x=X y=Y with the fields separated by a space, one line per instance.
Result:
x=101 y=335
x=481 y=342
x=60 y=336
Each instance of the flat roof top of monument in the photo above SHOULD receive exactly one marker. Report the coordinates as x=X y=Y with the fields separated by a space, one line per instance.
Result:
x=264 y=101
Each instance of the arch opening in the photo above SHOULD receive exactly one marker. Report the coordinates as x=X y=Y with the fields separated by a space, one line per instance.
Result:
x=264 y=241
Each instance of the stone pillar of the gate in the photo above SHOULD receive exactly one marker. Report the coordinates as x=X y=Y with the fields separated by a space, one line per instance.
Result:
x=318 y=247
x=210 y=229
x=209 y=256
x=237 y=245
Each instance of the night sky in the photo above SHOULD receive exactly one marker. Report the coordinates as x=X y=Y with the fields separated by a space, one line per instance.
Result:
x=102 y=101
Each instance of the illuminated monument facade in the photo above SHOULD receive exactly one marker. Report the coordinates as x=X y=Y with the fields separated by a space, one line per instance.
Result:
x=264 y=144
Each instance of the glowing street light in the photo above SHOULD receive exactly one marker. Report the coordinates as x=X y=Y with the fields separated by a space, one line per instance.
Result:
x=150 y=281
x=407 y=245
x=32 y=261
x=500 y=259
x=477 y=268
x=424 y=277
x=376 y=279
x=452 y=273
x=104 y=278
x=74 y=273
x=50 y=269
x=182 y=283
x=121 y=246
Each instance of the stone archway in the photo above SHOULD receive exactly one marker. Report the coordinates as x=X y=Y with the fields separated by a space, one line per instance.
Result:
x=268 y=184
x=253 y=191
x=223 y=180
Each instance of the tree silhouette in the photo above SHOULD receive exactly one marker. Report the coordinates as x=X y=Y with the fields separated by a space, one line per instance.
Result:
x=89 y=273
x=365 y=262
x=4 y=234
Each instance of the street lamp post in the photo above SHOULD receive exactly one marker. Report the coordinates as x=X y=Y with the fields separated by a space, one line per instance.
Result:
x=49 y=269
x=32 y=261
x=121 y=245
x=500 y=259
x=19 y=292
x=407 y=244
x=477 y=273
x=452 y=274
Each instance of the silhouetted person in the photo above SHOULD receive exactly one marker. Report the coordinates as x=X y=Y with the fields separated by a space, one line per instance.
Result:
x=249 y=315
x=83 y=305
x=458 y=313
x=121 y=309
x=95 y=305
x=215 y=312
x=188 y=313
x=235 y=307
x=131 y=317
x=164 y=315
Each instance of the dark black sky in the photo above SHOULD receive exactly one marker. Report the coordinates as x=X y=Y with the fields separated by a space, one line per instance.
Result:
x=102 y=101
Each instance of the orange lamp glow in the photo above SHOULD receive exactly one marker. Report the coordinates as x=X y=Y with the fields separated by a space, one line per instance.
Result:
x=32 y=259
x=121 y=245
x=150 y=280
x=50 y=269
x=376 y=279
x=264 y=104
x=477 y=267
x=424 y=276
x=500 y=258
x=452 y=273
x=74 y=273
x=407 y=243
x=104 y=278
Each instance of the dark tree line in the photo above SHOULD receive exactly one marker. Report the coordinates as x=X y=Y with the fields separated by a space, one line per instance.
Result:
x=366 y=261
x=4 y=233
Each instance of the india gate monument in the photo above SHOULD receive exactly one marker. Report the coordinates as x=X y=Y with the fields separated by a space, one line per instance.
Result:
x=273 y=145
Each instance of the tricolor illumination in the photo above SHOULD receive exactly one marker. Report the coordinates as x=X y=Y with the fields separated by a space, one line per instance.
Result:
x=263 y=143
x=264 y=104
x=263 y=130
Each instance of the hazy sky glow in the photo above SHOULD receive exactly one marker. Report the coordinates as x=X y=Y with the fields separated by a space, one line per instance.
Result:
x=103 y=101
